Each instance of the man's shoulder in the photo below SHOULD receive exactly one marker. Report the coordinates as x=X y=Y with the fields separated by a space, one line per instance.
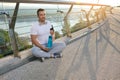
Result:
x=35 y=23
x=48 y=22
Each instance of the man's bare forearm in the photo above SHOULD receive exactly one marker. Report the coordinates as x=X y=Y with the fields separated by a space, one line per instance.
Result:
x=36 y=43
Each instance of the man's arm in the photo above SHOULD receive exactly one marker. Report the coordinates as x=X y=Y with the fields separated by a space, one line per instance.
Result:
x=36 y=43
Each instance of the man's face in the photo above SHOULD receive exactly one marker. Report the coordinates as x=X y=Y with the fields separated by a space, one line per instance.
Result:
x=42 y=16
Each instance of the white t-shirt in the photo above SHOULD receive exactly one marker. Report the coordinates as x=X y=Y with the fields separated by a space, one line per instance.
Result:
x=42 y=31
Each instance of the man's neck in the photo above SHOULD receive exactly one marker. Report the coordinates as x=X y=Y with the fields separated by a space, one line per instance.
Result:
x=42 y=22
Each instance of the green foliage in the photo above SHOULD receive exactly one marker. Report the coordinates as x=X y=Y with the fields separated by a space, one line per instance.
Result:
x=1 y=55
x=66 y=27
x=4 y=35
x=2 y=42
x=5 y=42
x=23 y=43
x=78 y=26
x=5 y=48
x=57 y=35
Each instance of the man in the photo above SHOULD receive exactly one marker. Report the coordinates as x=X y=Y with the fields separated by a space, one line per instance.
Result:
x=40 y=32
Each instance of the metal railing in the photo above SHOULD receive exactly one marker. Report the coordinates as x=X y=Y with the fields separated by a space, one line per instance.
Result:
x=67 y=22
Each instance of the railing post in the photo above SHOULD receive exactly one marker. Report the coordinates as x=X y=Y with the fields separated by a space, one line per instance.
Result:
x=12 y=32
x=97 y=16
x=102 y=12
x=66 y=23
x=87 y=16
x=111 y=10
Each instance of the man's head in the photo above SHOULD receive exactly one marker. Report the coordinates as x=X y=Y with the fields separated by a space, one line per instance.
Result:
x=41 y=15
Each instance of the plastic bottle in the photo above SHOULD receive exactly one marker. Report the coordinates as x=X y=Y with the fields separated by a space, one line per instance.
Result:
x=49 y=42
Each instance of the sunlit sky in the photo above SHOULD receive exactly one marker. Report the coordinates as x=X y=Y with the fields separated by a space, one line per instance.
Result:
x=108 y=2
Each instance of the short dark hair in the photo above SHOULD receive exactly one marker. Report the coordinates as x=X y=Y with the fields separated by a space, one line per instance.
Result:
x=40 y=9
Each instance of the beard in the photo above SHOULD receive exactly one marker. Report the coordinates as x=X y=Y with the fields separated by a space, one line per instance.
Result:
x=42 y=20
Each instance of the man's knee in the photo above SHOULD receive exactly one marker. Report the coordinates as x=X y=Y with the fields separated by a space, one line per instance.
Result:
x=39 y=53
x=62 y=45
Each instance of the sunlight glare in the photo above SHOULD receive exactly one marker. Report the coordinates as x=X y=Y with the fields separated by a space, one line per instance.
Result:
x=107 y=2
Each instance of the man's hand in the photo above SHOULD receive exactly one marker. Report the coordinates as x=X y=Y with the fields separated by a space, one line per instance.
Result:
x=45 y=49
x=52 y=32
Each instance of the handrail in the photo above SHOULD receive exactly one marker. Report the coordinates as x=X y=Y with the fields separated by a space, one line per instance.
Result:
x=54 y=2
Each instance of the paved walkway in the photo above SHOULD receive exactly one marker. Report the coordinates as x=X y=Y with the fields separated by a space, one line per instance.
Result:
x=95 y=56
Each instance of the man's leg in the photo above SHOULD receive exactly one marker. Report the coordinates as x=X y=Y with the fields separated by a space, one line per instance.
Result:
x=57 y=48
x=40 y=53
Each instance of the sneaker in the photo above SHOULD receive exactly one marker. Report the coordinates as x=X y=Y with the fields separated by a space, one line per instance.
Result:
x=56 y=55
x=42 y=59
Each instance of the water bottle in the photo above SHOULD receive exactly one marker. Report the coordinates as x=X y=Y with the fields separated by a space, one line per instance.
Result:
x=49 y=42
